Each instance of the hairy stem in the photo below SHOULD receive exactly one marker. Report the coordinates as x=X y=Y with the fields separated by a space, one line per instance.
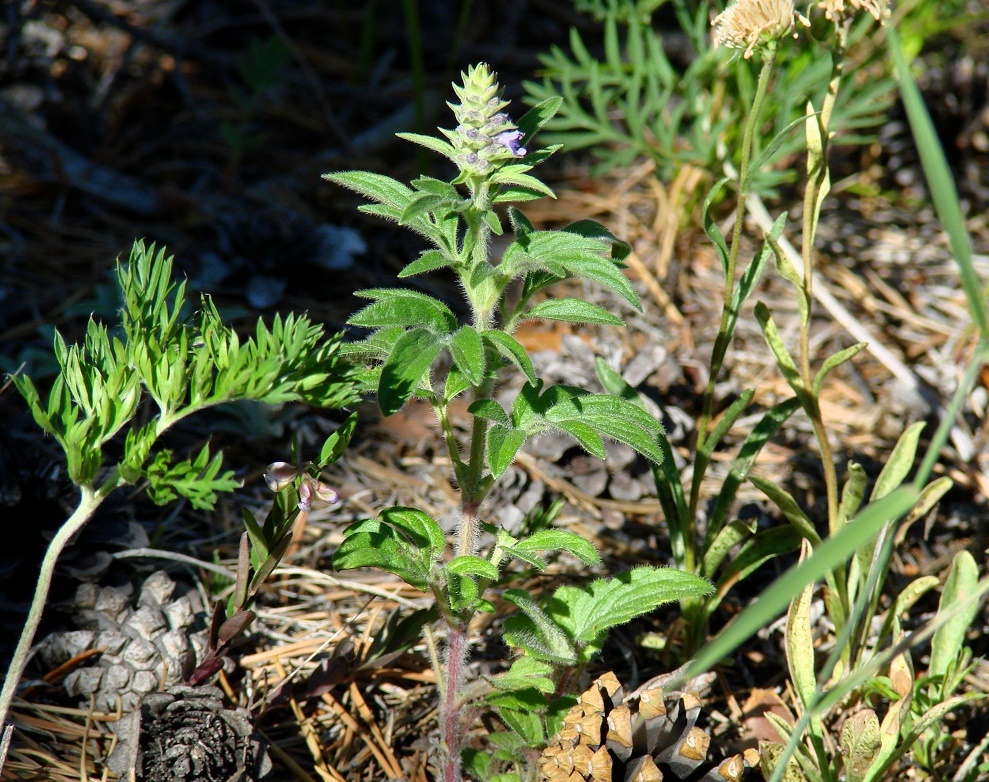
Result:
x=451 y=725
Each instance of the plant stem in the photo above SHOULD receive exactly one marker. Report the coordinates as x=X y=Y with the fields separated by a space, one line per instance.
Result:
x=817 y=180
x=471 y=478
x=723 y=338
x=89 y=501
x=452 y=726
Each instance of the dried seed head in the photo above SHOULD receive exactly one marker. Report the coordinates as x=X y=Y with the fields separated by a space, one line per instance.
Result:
x=751 y=24
x=839 y=10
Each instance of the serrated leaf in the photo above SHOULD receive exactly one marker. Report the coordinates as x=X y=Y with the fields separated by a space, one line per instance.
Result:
x=592 y=229
x=526 y=724
x=574 y=311
x=560 y=540
x=461 y=590
x=608 y=416
x=585 y=436
x=404 y=369
x=510 y=176
x=526 y=672
x=370 y=543
x=402 y=307
x=383 y=189
x=539 y=115
x=508 y=194
x=489 y=410
x=423 y=205
x=587 y=612
x=467 y=349
x=430 y=142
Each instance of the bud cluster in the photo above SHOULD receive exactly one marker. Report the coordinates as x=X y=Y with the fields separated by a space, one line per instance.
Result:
x=485 y=134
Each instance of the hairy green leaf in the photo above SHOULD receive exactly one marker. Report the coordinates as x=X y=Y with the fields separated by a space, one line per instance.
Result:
x=535 y=632
x=371 y=543
x=510 y=348
x=574 y=311
x=560 y=540
x=400 y=307
x=467 y=349
x=587 y=612
x=405 y=368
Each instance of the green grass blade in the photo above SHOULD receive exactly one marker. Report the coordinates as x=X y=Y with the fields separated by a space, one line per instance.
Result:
x=830 y=554
x=940 y=182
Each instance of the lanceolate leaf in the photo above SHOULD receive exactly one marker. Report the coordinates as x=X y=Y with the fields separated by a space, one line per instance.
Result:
x=783 y=358
x=835 y=361
x=949 y=639
x=539 y=115
x=535 y=632
x=711 y=228
x=788 y=506
x=399 y=307
x=560 y=540
x=574 y=311
x=337 y=443
x=747 y=454
x=899 y=463
x=377 y=187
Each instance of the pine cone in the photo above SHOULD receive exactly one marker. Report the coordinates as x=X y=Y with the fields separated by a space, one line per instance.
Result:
x=144 y=648
x=187 y=735
x=654 y=738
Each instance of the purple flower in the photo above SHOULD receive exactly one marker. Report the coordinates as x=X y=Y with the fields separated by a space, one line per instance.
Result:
x=512 y=139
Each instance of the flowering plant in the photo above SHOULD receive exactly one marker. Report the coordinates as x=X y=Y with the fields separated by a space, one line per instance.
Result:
x=409 y=333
